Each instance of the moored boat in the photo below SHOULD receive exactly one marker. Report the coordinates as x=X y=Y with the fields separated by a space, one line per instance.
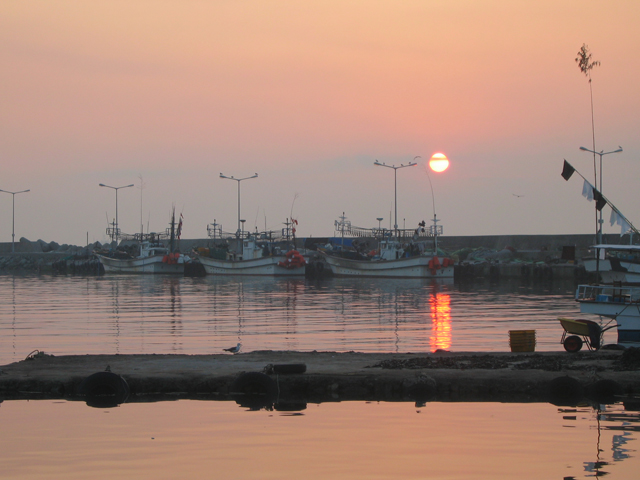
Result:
x=152 y=256
x=263 y=253
x=616 y=302
x=422 y=266
x=393 y=258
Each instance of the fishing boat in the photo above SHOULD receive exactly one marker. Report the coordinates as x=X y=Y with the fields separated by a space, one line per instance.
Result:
x=261 y=253
x=400 y=254
x=615 y=263
x=617 y=302
x=152 y=256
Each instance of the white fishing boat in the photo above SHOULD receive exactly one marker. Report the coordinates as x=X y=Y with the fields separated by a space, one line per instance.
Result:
x=153 y=258
x=393 y=257
x=261 y=254
x=408 y=267
x=616 y=302
x=615 y=263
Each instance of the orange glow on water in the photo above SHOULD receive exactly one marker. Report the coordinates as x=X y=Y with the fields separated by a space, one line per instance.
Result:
x=440 y=304
x=439 y=162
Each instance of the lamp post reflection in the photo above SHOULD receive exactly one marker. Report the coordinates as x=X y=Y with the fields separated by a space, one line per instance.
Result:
x=440 y=308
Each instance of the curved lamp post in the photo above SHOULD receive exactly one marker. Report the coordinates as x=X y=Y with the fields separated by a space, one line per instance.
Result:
x=116 y=233
x=238 y=232
x=395 y=187
x=601 y=154
x=13 y=219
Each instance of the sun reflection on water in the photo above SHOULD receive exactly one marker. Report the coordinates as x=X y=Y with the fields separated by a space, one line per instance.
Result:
x=440 y=304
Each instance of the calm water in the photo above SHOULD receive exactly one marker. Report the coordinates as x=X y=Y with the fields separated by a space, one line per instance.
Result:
x=162 y=314
x=352 y=440
x=349 y=440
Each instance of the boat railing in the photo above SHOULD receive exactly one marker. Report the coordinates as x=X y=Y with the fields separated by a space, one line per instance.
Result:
x=143 y=237
x=608 y=293
x=407 y=234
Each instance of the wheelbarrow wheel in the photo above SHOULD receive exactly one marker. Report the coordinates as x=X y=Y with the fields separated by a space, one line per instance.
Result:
x=573 y=344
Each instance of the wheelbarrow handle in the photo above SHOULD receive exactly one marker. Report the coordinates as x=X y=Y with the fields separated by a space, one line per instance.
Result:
x=609 y=327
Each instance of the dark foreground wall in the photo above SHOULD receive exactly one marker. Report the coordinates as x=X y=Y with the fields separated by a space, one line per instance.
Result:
x=558 y=377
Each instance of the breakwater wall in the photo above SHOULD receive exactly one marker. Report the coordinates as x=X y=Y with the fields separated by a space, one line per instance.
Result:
x=549 y=243
x=537 y=256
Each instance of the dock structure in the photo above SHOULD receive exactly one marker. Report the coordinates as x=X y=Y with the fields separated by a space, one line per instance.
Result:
x=294 y=378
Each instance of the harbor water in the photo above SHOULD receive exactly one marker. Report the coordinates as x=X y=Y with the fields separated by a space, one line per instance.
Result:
x=146 y=314
x=62 y=315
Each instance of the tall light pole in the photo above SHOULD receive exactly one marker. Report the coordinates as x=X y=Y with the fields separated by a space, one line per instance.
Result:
x=13 y=219
x=395 y=183
x=438 y=163
x=238 y=232
x=116 y=233
x=601 y=154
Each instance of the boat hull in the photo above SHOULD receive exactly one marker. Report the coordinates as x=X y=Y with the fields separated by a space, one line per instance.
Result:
x=151 y=265
x=622 y=304
x=408 y=267
x=267 y=266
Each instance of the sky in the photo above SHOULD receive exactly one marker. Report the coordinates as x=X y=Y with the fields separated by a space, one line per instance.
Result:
x=167 y=95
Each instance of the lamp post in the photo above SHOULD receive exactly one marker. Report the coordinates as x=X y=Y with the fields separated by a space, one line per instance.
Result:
x=601 y=154
x=438 y=163
x=238 y=232
x=13 y=219
x=116 y=233
x=395 y=183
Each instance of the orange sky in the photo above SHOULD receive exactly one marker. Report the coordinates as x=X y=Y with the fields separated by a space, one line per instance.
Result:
x=309 y=96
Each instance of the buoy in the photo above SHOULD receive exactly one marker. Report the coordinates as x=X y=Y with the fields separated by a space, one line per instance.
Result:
x=104 y=389
x=254 y=390
x=565 y=391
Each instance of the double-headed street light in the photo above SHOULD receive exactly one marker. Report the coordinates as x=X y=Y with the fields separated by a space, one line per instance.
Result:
x=239 y=231
x=116 y=233
x=395 y=180
x=13 y=219
x=601 y=154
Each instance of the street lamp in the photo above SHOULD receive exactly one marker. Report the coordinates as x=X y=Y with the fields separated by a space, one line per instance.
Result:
x=115 y=234
x=438 y=163
x=238 y=232
x=13 y=219
x=395 y=180
x=601 y=154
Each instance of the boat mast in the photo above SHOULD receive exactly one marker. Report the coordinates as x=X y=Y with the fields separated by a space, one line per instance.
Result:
x=173 y=231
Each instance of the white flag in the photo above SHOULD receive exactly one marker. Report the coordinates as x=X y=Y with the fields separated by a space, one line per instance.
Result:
x=587 y=191
x=614 y=218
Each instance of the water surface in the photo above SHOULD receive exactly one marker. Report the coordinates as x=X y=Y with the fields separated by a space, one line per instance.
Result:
x=350 y=440
x=120 y=314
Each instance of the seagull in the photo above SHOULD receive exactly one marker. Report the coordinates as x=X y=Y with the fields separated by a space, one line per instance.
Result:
x=235 y=349
x=517 y=195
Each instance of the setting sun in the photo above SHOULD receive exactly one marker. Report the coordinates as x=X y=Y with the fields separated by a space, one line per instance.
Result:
x=439 y=162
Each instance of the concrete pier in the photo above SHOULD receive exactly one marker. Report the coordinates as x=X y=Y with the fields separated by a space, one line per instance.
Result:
x=558 y=377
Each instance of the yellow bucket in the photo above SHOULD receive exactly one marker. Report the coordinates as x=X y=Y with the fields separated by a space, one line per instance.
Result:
x=522 y=340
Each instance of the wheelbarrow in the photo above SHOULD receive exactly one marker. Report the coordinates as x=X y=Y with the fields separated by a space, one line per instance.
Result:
x=579 y=332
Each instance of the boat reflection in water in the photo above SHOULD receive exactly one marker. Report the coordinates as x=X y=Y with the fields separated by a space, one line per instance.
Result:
x=440 y=311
